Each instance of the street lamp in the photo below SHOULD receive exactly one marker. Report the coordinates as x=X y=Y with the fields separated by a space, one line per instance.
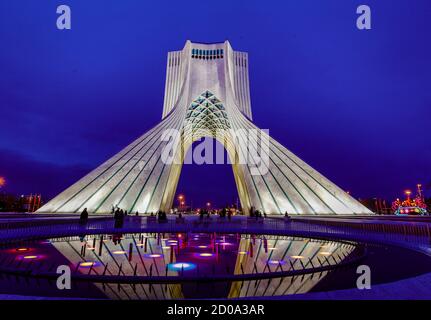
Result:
x=408 y=193
x=181 y=201
x=2 y=181
x=180 y=198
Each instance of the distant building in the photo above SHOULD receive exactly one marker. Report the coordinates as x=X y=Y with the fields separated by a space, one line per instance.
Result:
x=32 y=202
x=23 y=203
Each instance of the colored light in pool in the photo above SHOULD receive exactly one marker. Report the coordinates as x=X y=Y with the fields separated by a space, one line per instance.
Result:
x=118 y=252
x=166 y=248
x=225 y=243
x=325 y=253
x=87 y=264
x=277 y=262
x=205 y=254
x=242 y=252
x=30 y=257
x=297 y=257
x=22 y=249
x=153 y=255
x=202 y=247
x=178 y=266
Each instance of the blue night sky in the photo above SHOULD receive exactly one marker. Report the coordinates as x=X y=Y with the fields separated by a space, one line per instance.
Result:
x=356 y=105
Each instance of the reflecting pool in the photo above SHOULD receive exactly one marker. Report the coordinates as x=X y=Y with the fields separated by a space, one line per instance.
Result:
x=177 y=266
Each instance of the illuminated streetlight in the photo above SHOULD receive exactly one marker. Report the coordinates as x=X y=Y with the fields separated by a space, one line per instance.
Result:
x=181 y=200
x=408 y=193
x=2 y=182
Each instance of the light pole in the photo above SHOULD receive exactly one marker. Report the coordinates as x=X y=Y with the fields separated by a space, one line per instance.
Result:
x=181 y=201
x=2 y=182
x=408 y=193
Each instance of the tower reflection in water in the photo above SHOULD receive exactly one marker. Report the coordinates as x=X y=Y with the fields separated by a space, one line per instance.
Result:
x=212 y=265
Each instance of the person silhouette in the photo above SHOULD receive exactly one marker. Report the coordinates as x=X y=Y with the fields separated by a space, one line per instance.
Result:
x=83 y=218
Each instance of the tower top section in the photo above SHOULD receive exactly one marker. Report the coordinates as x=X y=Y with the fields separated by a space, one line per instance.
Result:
x=207 y=66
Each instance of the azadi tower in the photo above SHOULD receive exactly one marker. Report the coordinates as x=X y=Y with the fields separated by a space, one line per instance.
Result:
x=207 y=94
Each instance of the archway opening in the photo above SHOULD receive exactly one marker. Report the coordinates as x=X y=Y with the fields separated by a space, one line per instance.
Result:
x=211 y=184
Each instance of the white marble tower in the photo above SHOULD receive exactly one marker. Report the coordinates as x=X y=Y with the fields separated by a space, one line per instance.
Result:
x=207 y=94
